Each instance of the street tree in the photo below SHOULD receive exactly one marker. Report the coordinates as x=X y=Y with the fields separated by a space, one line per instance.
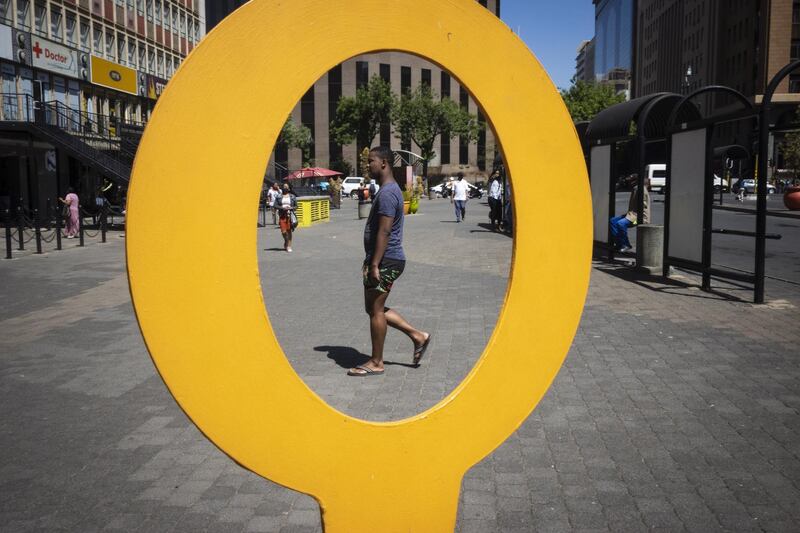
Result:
x=359 y=118
x=421 y=116
x=790 y=148
x=585 y=100
x=294 y=136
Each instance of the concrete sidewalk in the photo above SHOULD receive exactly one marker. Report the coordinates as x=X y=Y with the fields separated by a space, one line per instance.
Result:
x=675 y=410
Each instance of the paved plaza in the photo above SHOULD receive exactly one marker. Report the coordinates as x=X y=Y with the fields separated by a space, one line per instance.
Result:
x=675 y=410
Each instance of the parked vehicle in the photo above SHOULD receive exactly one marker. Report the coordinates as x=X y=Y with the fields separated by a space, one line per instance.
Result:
x=720 y=184
x=750 y=187
x=350 y=186
x=658 y=176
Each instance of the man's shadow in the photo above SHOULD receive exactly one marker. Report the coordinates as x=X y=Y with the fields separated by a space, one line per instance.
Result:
x=347 y=357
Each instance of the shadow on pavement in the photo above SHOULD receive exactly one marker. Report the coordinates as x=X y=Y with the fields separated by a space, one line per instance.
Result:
x=487 y=228
x=344 y=356
x=664 y=285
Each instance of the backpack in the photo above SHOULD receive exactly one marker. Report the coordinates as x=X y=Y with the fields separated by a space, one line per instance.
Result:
x=372 y=190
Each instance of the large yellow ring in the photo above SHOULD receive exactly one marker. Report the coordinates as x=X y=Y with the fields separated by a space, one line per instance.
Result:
x=195 y=281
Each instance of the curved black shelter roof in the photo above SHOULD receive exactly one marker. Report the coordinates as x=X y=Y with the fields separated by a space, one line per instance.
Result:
x=615 y=121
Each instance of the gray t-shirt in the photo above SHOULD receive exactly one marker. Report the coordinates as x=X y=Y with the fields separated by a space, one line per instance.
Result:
x=388 y=202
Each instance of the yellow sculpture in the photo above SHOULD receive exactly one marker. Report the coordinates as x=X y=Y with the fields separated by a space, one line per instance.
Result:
x=196 y=289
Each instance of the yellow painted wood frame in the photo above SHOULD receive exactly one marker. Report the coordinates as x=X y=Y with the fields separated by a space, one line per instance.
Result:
x=195 y=285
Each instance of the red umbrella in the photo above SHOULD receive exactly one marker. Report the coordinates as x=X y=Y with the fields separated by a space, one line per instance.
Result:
x=312 y=172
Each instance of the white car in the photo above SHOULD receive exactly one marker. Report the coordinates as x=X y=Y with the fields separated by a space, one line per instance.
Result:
x=350 y=186
x=657 y=173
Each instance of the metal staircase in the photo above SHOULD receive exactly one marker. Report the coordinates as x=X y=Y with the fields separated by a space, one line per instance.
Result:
x=99 y=141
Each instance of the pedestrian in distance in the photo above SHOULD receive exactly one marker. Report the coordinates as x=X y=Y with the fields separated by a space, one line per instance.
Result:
x=71 y=213
x=384 y=263
x=272 y=194
x=460 y=197
x=336 y=192
x=495 y=202
x=286 y=204
x=620 y=224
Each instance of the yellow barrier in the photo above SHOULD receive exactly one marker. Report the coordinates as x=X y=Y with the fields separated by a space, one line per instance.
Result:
x=198 y=296
x=313 y=210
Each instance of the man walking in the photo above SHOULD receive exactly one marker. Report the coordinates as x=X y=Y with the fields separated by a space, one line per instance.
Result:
x=495 y=202
x=273 y=193
x=385 y=261
x=460 y=194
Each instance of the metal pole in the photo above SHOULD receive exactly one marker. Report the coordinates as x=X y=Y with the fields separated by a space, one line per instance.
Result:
x=38 y=230
x=58 y=226
x=80 y=226
x=20 y=227
x=103 y=216
x=8 y=233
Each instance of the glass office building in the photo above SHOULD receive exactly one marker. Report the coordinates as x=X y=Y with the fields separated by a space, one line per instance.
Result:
x=614 y=23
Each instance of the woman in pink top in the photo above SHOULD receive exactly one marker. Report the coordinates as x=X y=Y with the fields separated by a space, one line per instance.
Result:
x=73 y=219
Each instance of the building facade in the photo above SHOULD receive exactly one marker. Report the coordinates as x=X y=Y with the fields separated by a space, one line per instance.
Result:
x=97 y=67
x=614 y=42
x=683 y=45
x=584 y=62
x=317 y=108
x=96 y=56
x=216 y=10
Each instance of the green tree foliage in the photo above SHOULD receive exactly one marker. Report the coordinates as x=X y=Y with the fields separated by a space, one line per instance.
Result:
x=340 y=165
x=359 y=118
x=294 y=136
x=584 y=100
x=790 y=148
x=421 y=116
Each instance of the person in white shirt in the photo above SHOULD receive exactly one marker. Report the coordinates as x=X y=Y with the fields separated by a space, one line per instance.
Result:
x=496 y=202
x=271 y=195
x=459 y=198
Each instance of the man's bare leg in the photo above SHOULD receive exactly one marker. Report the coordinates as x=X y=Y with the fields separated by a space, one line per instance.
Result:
x=394 y=319
x=374 y=306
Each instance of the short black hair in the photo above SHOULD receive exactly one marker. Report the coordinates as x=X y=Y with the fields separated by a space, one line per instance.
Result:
x=384 y=153
x=460 y=175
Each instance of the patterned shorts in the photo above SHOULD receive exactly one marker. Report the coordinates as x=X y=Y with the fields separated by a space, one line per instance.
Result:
x=390 y=270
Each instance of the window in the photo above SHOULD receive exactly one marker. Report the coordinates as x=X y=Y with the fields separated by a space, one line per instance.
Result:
x=140 y=7
x=183 y=24
x=23 y=14
x=72 y=23
x=110 y=49
x=167 y=16
x=121 y=48
x=149 y=10
x=426 y=77
x=158 y=11
x=5 y=11
x=142 y=56
x=97 y=39
x=85 y=31
x=405 y=80
x=160 y=64
x=40 y=19
x=132 y=52
x=55 y=22
x=362 y=74
x=151 y=60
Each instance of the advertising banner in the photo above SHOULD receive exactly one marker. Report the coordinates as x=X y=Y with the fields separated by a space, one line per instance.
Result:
x=155 y=86
x=113 y=76
x=54 y=57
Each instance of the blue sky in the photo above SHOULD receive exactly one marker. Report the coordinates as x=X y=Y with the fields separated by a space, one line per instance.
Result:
x=552 y=30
